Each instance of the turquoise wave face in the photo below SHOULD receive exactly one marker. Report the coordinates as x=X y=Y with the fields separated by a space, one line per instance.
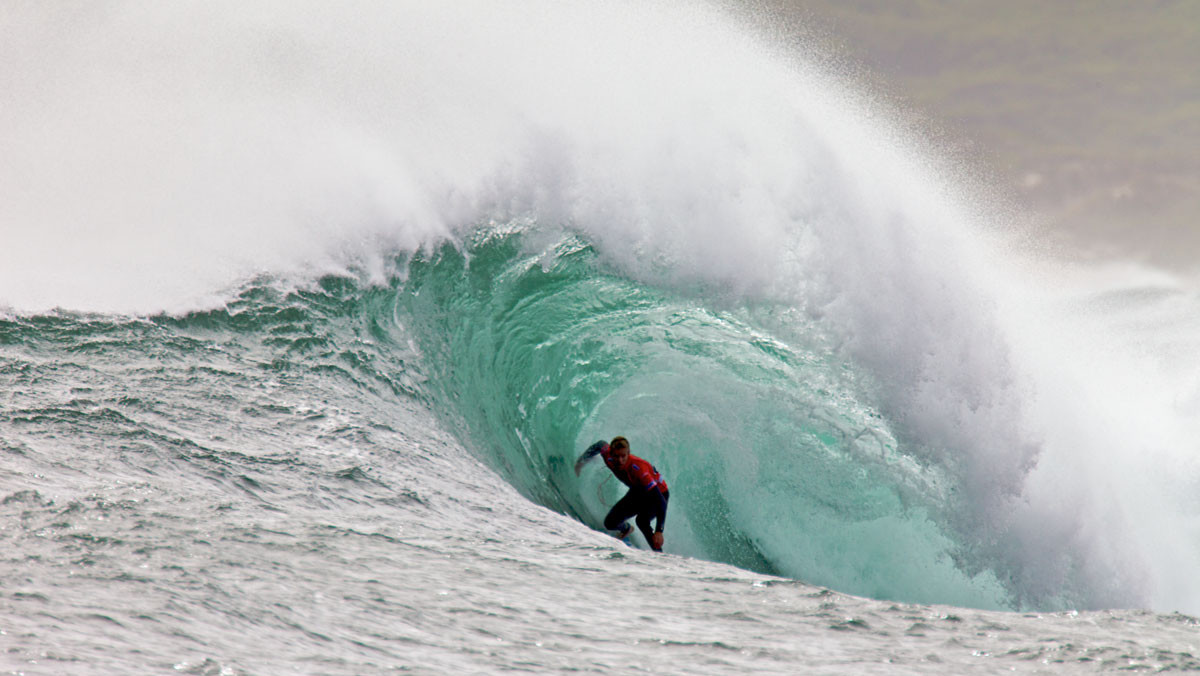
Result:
x=781 y=452
x=775 y=457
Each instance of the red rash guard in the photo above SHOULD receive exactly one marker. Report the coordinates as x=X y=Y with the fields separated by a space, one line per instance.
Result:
x=638 y=474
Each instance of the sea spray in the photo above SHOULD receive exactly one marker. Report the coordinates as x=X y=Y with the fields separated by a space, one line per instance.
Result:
x=165 y=159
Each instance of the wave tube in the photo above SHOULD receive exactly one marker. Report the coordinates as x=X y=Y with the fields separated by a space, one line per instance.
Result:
x=822 y=314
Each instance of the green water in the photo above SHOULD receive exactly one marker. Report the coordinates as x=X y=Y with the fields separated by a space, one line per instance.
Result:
x=776 y=459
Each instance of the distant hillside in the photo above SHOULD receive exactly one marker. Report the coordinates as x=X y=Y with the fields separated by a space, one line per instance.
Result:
x=1089 y=110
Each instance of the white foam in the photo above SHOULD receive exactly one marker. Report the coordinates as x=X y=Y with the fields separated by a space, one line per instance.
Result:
x=157 y=157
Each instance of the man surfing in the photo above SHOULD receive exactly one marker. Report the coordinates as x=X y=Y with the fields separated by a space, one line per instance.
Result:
x=647 y=496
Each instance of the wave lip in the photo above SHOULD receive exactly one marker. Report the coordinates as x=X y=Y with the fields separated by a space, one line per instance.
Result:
x=778 y=464
x=160 y=160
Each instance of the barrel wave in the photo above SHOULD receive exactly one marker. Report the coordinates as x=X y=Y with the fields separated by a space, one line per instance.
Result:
x=539 y=226
x=776 y=458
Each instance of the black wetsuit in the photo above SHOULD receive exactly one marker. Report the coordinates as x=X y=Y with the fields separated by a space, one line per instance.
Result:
x=647 y=496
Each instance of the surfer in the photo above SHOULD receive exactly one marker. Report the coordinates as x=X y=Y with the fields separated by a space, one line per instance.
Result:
x=647 y=496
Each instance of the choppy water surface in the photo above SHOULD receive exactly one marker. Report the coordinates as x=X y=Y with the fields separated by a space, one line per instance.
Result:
x=264 y=490
x=297 y=386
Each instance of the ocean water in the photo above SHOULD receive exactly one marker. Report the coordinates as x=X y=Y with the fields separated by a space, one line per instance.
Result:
x=308 y=311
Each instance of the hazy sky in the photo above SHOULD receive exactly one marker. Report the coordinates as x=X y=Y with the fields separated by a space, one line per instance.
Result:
x=1088 y=111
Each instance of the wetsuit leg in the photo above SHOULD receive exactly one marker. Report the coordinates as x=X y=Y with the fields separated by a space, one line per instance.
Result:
x=620 y=512
x=653 y=505
x=643 y=524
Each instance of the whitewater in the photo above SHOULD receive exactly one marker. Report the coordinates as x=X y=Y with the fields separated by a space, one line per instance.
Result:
x=307 y=310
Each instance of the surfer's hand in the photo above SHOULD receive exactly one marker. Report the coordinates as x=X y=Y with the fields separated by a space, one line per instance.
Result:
x=579 y=465
x=656 y=540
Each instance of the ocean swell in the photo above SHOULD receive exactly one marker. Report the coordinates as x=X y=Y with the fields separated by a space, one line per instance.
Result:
x=630 y=217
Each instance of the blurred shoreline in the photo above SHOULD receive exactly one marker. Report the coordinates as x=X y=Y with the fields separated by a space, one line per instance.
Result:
x=1086 y=113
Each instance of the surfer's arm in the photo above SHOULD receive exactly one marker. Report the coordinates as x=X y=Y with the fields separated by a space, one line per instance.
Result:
x=659 y=502
x=659 y=506
x=592 y=451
